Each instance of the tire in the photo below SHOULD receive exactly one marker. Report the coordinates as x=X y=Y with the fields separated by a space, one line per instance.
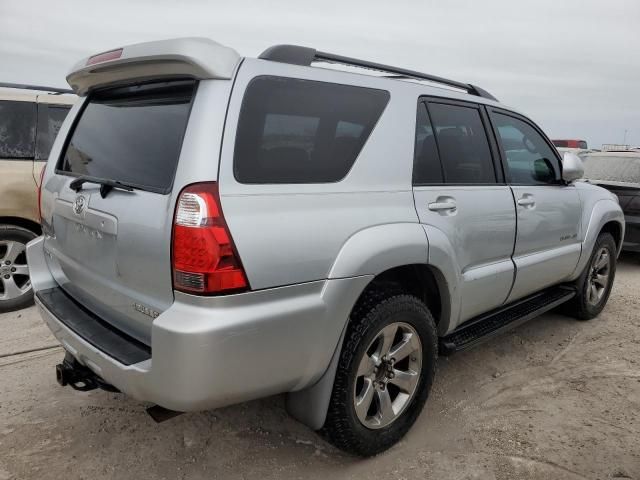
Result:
x=375 y=311
x=15 y=284
x=584 y=306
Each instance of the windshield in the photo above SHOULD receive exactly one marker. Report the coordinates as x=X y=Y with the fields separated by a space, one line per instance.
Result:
x=612 y=168
x=132 y=135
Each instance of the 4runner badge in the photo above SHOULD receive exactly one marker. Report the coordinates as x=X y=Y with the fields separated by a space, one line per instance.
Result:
x=79 y=205
x=145 y=310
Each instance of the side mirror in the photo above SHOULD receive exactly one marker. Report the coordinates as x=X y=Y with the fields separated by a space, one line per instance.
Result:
x=572 y=167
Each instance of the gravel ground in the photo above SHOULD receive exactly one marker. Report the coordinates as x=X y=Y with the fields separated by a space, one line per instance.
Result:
x=555 y=398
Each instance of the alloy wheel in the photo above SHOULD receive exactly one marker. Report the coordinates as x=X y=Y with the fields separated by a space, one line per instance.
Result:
x=14 y=271
x=599 y=275
x=388 y=375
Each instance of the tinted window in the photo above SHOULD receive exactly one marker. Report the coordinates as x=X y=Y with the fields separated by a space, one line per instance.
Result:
x=50 y=119
x=301 y=131
x=17 y=129
x=612 y=168
x=463 y=145
x=132 y=134
x=426 y=165
x=529 y=157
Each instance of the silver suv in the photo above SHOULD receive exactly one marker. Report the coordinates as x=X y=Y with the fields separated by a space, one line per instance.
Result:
x=218 y=228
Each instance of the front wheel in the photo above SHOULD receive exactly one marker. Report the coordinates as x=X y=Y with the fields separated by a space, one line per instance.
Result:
x=596 y=281
x=384 y=375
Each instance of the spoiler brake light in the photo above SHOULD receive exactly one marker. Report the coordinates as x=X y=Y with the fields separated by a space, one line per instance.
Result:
x=105 y=56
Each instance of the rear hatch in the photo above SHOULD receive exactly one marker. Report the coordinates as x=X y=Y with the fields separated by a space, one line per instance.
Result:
x=109 y=236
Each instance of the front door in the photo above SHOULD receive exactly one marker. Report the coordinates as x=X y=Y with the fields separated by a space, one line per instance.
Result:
x=459 y=191
x=548 y=241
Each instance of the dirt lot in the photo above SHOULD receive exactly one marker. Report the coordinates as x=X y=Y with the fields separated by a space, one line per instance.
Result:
x=555 y=398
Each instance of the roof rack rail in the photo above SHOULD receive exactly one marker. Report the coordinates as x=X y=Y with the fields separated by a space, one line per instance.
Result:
x=305 y=56
x=35 y=87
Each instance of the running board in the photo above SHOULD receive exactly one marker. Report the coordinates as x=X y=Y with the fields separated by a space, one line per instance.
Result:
x=490 y=324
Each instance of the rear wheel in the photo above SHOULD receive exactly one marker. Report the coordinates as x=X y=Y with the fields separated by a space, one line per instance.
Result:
x=596 y=281
x=386 y=368
x=15 y=284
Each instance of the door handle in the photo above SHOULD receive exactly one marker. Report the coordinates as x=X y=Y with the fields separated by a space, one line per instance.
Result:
x=527 y=201
x=443 y=205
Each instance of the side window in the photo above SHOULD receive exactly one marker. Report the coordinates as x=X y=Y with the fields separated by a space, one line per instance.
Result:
x=302 y=131
x=426 y=164
x=529 y=157
x=462 y=143
x=17 y=129
x=50 y=118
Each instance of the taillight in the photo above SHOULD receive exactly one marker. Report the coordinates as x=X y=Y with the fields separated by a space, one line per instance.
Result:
x=40 y=192
x=204 y=257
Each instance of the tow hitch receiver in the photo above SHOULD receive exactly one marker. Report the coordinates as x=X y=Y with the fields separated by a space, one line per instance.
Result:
x=71 y=372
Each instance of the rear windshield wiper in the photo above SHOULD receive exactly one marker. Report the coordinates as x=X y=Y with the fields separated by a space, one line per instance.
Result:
x=105 y=185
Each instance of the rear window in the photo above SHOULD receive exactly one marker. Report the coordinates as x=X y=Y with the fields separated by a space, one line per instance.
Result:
x=132 y=135
x=301 y=131
x=50 y=118
x=612 y=168
x=17 y=129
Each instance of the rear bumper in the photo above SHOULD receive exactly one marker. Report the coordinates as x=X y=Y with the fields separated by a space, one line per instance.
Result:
x=210 y=352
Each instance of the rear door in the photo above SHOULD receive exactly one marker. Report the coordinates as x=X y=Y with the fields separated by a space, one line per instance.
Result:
x=548 y=243
x=459 y=190
x=110 y=250
x=17 y=150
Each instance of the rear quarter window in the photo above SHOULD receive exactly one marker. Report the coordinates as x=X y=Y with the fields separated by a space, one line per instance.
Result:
x=50 y=118
x=302 y=131
x=17 y=129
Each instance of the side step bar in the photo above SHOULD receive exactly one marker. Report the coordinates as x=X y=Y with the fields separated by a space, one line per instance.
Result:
x=502 y=319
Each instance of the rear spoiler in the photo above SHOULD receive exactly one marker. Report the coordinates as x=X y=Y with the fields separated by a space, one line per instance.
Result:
x=198 y=58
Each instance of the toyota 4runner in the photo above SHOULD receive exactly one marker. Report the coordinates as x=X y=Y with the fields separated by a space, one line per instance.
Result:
x=218 y=228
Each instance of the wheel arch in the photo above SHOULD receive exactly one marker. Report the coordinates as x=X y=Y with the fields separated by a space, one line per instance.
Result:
x=406 y=251
x=22 y=223
x=616 y=230
x=605 y=216
x=421 y=280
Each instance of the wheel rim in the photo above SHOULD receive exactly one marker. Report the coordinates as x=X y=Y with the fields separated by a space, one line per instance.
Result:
x=388 y=375
x=599 y=276
x=14 y=271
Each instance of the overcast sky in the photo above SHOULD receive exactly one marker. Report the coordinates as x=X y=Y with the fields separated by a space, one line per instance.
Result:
x=571 y=65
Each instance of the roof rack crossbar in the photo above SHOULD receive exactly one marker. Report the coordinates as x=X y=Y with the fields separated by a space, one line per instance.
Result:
x=35 y=87
x=305 y=56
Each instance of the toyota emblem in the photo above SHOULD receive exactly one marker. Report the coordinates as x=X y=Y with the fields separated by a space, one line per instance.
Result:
x=79 y=204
